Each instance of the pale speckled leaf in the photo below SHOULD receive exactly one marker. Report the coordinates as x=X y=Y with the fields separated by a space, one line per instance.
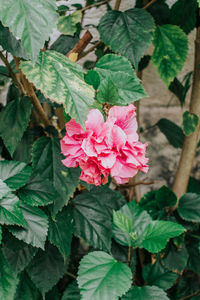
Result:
x=171 y=47
x=68 y=24
x=32 y=21
x=62 y=81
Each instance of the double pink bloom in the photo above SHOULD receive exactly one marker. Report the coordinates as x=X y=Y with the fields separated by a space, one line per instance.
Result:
x=110 y=147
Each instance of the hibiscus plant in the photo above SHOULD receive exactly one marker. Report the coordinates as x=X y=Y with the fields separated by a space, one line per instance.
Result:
x=72 y=223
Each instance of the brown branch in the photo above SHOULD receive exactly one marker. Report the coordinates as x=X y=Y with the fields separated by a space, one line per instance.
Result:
x=80 y=46
x=190 y=296
x=117 y=4
x=29 y=91
x=89 y=50
x=149 y=4
x=137 y=183
x=94 y=4
x=190 y=142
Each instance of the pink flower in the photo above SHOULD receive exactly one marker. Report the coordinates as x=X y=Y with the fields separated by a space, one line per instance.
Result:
x=110 y=147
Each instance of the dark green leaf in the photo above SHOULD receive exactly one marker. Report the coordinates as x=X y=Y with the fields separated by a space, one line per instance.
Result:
x=47 y=163
x=119 y=71
x=14 y=173
x=159 y=276
x=64 y=43
x=47 y=268
x=33 y=22
x=175 y=259
x=14 y=119
x=61 y=230
x=26 y=290
x=67 y=24
x=170 y=51
x=189 y=207
x=180 y=89
x=145 y=292
x=183 y=10
x=10 y=211
x=190 y=122
x=37 y=227
x=38 y=192
x=72 y=292
x=193 y=186
x=194 y=256
x=100 y=276
x=23 y=150
x=62 y=81
x=144 y=62
x=8 y=280
x=160 y=12
x=92 y=78
x=107 y=92
x=173 y=132
x=133 y=28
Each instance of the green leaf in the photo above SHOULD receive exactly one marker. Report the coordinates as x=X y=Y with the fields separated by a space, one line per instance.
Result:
x=26 y=290
x=61 y=230
x=107 y=92
x=100 y=276
x=198 y=2
x=68 y=24
x=4 y=189
x=92 y=78
x=173 y=132
x=158 y=276
x=10 y=43
x=175 y=258
x=189 y=207
x=46 y=268
x=33 y=22
x=72 y=292
x=190 y=122
x=193 y=186
x=24 y=148
x=145 y=292
x=10 y=211
x=139 y=221
x=120 y=72
x=14 y=119
x=170 y=51
x=0 y=234
x=37 y=227
x=38 y=192
x=194 y=256
x=46 y=158
x=14 y=173
x=184 y=10
x=17 y=253
x=8 y=280
x=160 y=12
x=133 y=28
x=122 y=221
x=158 y=233
x=64 y=43
x=62 y=81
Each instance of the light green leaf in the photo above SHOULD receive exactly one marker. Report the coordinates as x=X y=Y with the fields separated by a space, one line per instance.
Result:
x=72 y=292
x=38 y=192
x=46 y=268
x=37 y=227
x=26 y=290
x=122 y=221
x=47 y=163
x=100 y=276
x=170 y=52
x=173 y=132
x=10 y=211
x=14 y=119
x=139 y=219
x=14 y=173
x=189 y=207
x=61 y=230
x=107 y=92
x=157 y=233
x=67 y=24
x=145 y=292
x=119 y=70
x=190 y=122
x=158 y=276
x=198 y=2
x=129 y=32
x=184 y=10
x=10 y=43
x=8 y=280
x=62 y=81
x=4 y=189
x=32 y=21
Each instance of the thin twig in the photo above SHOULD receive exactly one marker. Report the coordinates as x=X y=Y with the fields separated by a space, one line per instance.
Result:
x=71 y=275
x=117 y=4
x=94 y=4
x=89 y=50
x=137 y=183
x=190 y=296
x=149 y=4
x=129 y=255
